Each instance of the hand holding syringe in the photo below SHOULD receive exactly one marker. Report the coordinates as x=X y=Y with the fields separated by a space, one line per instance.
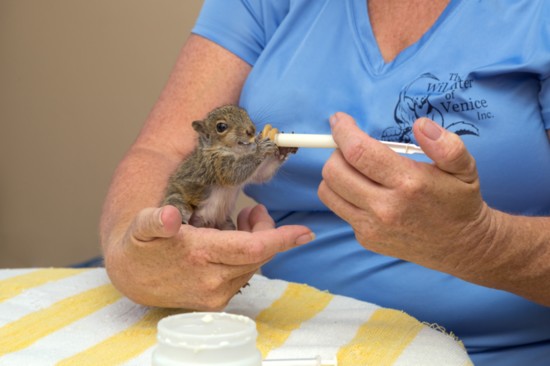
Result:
x=325 y=141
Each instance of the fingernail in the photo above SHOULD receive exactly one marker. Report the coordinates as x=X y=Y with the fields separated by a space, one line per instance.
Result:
x=304 y=239
x=159 y=213
x=430 y=129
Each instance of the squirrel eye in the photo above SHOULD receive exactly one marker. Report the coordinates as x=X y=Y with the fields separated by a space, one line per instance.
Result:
x=221 y=127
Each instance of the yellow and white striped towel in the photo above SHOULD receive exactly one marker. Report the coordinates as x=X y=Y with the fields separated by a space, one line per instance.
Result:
x=76 y=317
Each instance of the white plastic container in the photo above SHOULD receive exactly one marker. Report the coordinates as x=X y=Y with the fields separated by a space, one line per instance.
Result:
x=194 y=339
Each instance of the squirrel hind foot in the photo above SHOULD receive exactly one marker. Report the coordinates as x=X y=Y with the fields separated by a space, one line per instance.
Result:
x=244 y=286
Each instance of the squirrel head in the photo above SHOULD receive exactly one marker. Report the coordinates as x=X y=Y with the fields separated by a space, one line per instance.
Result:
x=228 y=126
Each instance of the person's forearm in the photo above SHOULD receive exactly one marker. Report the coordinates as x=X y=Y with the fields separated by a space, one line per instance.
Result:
x=138 y=183
x=512 y=255
x=204 y=77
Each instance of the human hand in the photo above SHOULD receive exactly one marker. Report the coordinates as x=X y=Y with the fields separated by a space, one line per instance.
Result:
x=430 y=214
x=164 y=263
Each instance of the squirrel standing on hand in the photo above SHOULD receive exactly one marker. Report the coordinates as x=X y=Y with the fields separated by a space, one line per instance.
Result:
x=229 y=155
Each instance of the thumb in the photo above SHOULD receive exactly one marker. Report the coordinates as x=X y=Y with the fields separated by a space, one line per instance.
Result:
x=156 y=222
x=446 y=149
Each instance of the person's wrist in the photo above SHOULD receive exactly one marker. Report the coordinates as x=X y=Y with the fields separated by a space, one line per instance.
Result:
x=481 y=253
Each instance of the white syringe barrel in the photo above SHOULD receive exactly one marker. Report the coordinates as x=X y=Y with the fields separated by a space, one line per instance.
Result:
x=304 y=140
x=326 y=141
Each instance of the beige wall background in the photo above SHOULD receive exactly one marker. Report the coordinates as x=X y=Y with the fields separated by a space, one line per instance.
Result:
x=77 y=80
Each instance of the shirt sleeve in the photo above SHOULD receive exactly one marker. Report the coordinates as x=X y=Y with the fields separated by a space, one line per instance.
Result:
x=244 y=27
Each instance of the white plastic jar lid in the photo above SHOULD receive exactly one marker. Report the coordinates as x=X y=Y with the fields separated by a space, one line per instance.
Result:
x=206 y=339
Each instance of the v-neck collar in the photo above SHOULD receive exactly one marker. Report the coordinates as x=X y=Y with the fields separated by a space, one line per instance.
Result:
x=368 y=46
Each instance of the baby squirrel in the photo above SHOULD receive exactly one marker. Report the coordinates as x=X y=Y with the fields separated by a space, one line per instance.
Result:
x=229 y=155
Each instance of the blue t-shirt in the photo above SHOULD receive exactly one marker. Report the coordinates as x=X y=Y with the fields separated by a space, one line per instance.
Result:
x=481 y=71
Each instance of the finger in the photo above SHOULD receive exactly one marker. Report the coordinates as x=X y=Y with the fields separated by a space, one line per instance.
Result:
x=243 y=222
x=230 y=289
x=239 y=282
x=259 y=219
x=228 y=272
x=341 y=207
x=255 y=218
x=446 y=149
x=242 y=248
x=373 y=159
x=349 y=183
x=219 y=291
x=151 y=223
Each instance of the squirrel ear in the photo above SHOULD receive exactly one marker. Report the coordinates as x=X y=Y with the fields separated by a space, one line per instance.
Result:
x=204 y=136
x=199 y=127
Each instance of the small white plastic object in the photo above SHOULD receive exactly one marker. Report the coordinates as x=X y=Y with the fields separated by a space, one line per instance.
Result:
x=205 y=338
x=326 y=141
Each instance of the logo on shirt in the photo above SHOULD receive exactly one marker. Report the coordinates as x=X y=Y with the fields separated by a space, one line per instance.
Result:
x=444 y=101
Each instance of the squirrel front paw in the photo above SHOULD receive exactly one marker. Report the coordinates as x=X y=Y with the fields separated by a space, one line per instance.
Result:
x=268 y=148
x=266 y=141
x=269 y=132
